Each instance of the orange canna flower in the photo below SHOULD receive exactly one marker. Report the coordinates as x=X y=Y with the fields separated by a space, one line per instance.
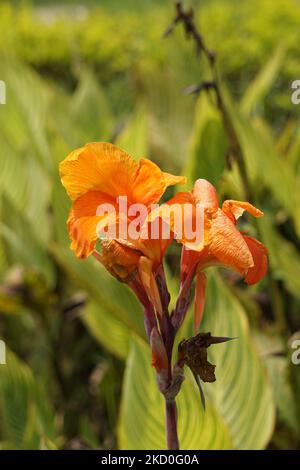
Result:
x=223 y=244
x=98 y=174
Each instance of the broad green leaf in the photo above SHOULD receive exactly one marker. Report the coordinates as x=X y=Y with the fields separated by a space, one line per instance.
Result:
x=90 y=109
x=13 y=182
x=27 y=417
x=23 y=245
x=264 y=166
x=285 y=402
x=114 y=298
x=134 y=138
x=294 y=380
x=61 y=208
x=242 y=395
x=67 y=134
x=207 y=157
x=23 y=118
x=107 y=329
x=24 y=183
x=283 y=255
x=263 y=81
x=272 y=348
x=142 y=418
x=293 y=149
x=24 y=153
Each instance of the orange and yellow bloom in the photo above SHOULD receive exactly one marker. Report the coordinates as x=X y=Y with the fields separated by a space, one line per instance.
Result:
x=96 y=177
x=223 y=244
x=99 y=173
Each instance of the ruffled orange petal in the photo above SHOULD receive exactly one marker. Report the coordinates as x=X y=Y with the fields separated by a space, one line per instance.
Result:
x=171 y=180
x=103 y=166
x=199 y=300
x=237 y=208
x=228 y=245
x=260 y=257
x=152 y=245
x=184 y=218
x=205 y=193
x=84 y=223
x=98 y=166
x=83 y=234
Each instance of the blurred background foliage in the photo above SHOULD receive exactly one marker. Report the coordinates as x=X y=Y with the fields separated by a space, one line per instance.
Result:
x=78 y=371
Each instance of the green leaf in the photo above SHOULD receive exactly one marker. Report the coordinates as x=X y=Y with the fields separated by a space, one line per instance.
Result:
x=23 y=118
x=272 y=348
x=278 y=371
x=208 y=145
x=114 y=298
x=18 y=230
x=242 y=409
x=113 y=334
x=242 y=395
x=263 y=81
x=265 y=167
x=27 y=417
x=134 y=137
x=27 y=187
x=242 y=392
x=90 y=109
x=283 y=255
x=142 y=418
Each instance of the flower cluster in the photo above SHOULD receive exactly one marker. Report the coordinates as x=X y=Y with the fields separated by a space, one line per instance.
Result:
x=96 y=175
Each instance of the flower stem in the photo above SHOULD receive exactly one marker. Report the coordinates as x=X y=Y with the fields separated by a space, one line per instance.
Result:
x=171 y=425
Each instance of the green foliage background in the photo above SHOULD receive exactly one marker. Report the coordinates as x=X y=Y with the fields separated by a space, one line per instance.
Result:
x=78 y=371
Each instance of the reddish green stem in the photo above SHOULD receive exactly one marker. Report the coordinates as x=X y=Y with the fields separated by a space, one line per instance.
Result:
x=171 y=425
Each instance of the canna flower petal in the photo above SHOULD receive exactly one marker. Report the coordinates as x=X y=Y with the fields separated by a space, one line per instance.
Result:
x=83 y=234
x=154 y=246
x=189 y=214
x=103 y=166
x=93 y=166
x=150 y=183
x=237 y=208
x=228 y=245
x=260 y=257
x=171 y=180
x=83 y=222
x=184 y=218
x=171 y=211
x=205 y=194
